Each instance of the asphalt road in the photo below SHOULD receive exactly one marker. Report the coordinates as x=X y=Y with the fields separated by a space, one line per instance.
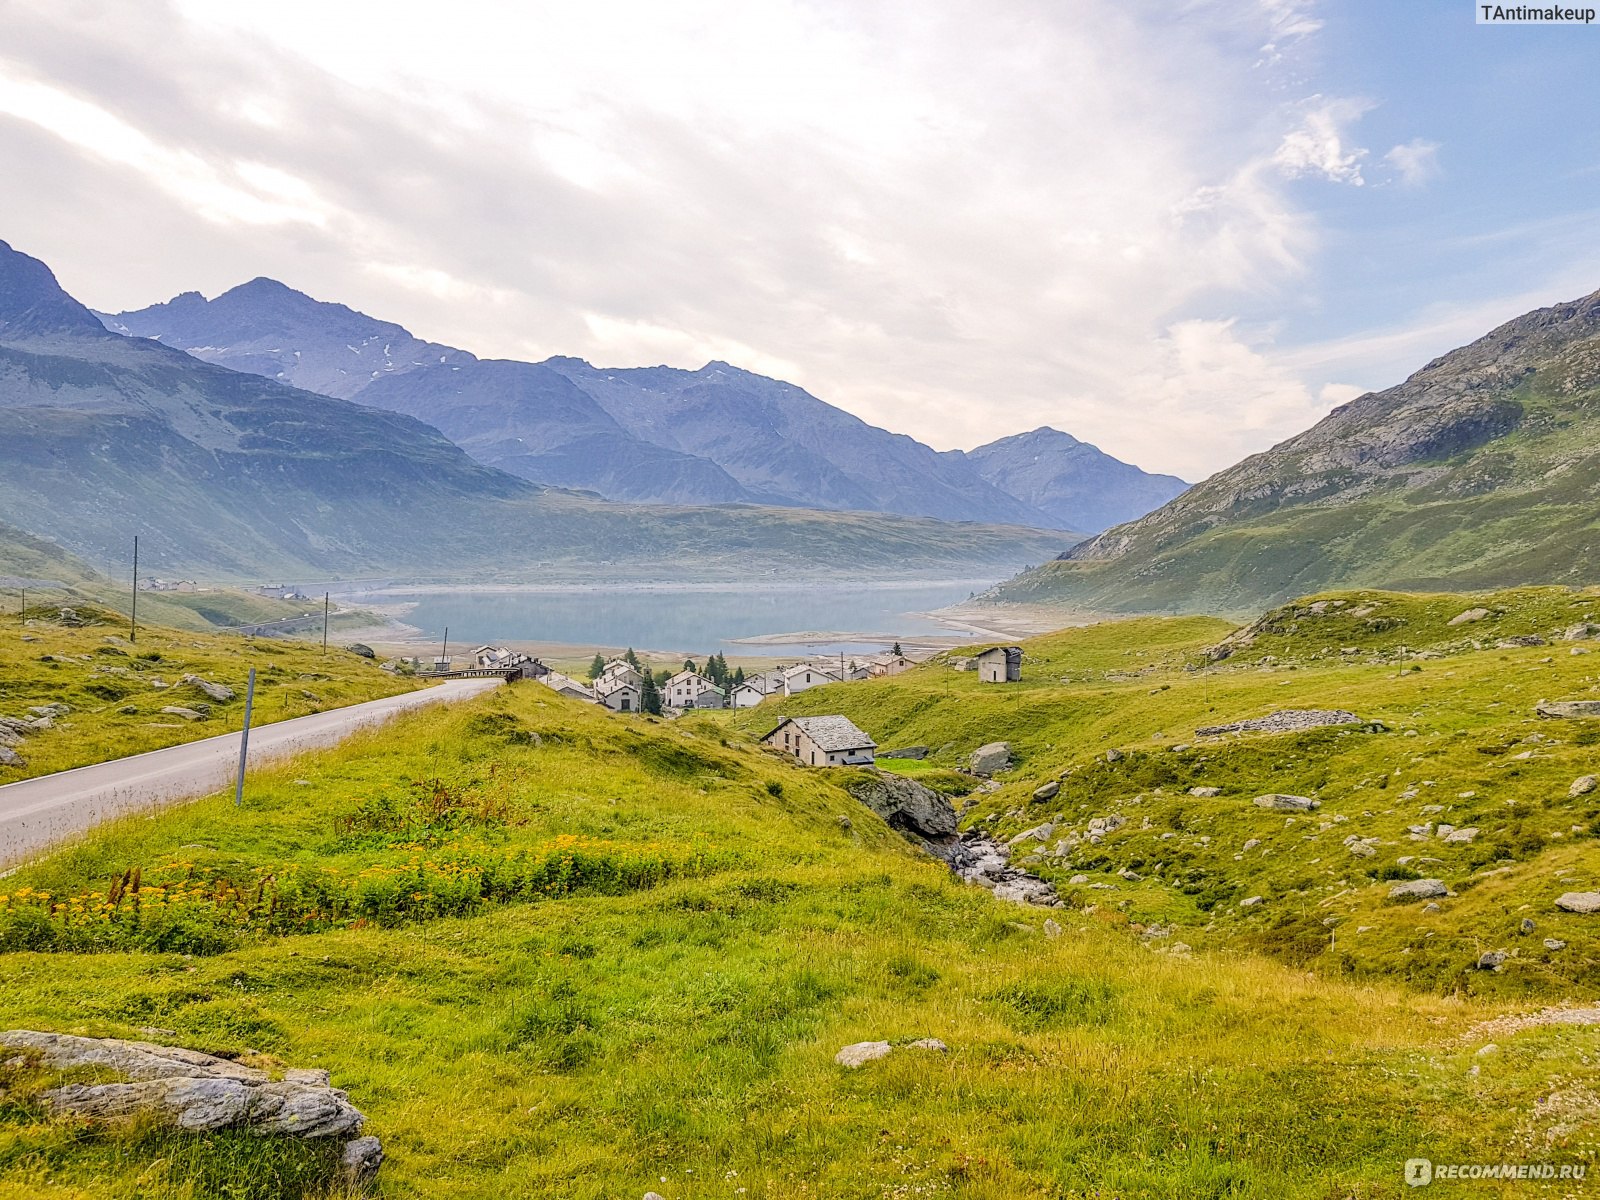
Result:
x=37 y=813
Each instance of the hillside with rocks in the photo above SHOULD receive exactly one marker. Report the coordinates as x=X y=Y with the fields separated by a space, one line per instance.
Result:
x=1477 y=471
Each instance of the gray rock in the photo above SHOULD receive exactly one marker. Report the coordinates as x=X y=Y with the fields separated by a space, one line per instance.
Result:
x=186 y=1089
x=859 y=1054
x=991 y=758
x=1205 y=793
x=1130 y=876
x=933 y=1044
x=361 y=648
x=1288 y=721
x=1576 y=633
x=1419 y=889
x=1462 y=836
x=1568 y=710
x=1046 y=791
x=1579 y=902
x=1078 y=879
x=188 y=714
x=1251 y=844
x=9 y=757
x=1583 y=785
x=212 y=691
x=1516 y=643
x=1284 y=803
x=1113 y=756
x=361 y=1159
x=1554 y=944
x=1037 y=834
x=1491 y=960
x=905 y=804
x=1051 y=928
x=1472 y=614
x=1250 y=902
x=1526 y=925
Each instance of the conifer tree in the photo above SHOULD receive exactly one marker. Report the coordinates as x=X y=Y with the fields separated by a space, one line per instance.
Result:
x=597 y=667
x=631 y=658
x=897 y=652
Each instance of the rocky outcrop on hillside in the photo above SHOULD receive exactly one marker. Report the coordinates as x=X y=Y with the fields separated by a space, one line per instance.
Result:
x=197 y=1092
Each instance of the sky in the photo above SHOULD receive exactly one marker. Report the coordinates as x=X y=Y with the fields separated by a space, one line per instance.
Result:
x=1180 y=229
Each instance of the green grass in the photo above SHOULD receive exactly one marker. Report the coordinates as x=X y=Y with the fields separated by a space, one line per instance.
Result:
x=110 y=684
x=674 y=1030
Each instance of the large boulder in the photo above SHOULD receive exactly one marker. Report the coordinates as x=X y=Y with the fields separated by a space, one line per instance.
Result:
x=1283 y=803
x=905 y=804
x=186 y=1089
x=991 y=759
x=221 y=693
x=1419 y=889
x=859 y=1054
x=1579 y=902
x=1568 y=710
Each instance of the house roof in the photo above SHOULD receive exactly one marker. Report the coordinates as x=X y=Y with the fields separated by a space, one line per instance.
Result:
x=1006 y=650
x=830 y=733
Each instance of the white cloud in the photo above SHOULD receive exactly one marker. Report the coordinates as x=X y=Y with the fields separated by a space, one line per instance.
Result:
x=1415 y=162
x=1319 y=146
x=955 y=221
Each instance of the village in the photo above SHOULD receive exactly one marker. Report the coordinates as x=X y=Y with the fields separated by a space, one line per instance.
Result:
x=625 y=685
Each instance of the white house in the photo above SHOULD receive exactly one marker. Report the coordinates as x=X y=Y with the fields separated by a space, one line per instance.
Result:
x=683 y=688
x=624 y=697
x=799 y=678
x=747 y=695
x=889 y=664
x=823 y=741
x=1000 y=664
x=618 y=674
x=567 y=686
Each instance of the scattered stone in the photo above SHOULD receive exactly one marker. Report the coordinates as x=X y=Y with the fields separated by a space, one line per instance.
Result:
x=188 y=714
x=1515 y=643
x=1037 y=834
x=1419 y=889
x=1130 y=876
x=1583 y=785
x=1461 y=836
x=845 y=823
x=1046 y=791
x=1526 y=926
x=1113 y=756
x=1472 y=614
x=1554 y=944
x=361 y=1159
x=1283 y=803
x=991 y=758
x=10 y=758
x=1568 y=710
x=1288 y=721
x=361 y=648
x=1432 y=907
x=1251 y=843
x=1051 y=928
x=933 y=1044
x=212 y=691
x=1579 y=902
x=1110 y=824
x=1491 y=960
x=859 y=1054
x=1079 y=879
x=1488 y=1049
x=1250 y=902
x=1584 y=629
x=1205 y=793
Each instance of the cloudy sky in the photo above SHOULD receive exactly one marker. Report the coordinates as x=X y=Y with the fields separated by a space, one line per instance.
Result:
x=1181 y=229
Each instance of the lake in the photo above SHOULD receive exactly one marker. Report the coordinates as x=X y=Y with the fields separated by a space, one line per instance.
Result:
x=690 y=620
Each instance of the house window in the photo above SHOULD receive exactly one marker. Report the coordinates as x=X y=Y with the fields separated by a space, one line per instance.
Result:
x=627 y=705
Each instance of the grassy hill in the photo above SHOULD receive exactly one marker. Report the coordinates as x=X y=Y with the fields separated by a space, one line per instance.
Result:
x=1477 y=471
x=556 y=952
x=115 y=689
x=1460 y=745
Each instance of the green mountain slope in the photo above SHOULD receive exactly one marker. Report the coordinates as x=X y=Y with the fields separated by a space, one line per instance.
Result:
x=227 y=474
x=1480 y=470
x=555 y=952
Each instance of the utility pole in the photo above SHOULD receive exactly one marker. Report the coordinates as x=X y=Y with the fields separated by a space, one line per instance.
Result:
x=444 y=652
x=133 y=611
x=244 y=738
x=23 y=611
x=324 y=622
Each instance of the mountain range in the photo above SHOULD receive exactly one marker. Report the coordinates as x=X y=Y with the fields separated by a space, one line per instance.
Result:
x=717 y=435
x=1480 y=470
x=226 y=473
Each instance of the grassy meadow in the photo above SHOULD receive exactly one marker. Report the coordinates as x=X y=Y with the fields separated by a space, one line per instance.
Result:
x=116 y=689
x=552 y=951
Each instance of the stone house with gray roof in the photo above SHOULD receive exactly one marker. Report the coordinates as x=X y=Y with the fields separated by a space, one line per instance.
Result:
x=832 y=741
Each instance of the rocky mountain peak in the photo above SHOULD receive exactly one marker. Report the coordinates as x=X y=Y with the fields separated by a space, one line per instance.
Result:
x=32 y=303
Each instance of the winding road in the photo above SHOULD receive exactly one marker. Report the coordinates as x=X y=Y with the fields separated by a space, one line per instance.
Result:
x=37 y=813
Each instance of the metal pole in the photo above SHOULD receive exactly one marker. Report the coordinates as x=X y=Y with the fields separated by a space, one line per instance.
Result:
x=444 y=652
x=244 y=738
x=23 y=611
x=133 y=611
x=324 y=622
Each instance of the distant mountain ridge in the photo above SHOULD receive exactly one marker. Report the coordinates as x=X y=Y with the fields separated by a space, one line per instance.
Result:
x=225 y=473
x=1059 y=475
x=1480 y=470
x=716 y=435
